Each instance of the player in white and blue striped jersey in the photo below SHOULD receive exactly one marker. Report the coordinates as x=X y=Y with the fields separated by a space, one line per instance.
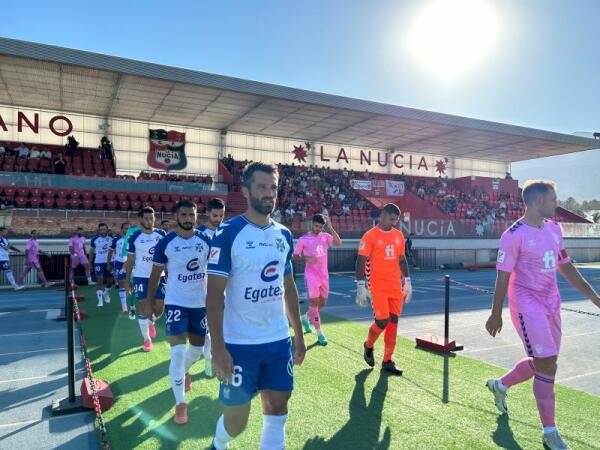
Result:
x=250 y=289
x=184 y=254
x=99 y=247
x=140 y=250
x=5 y=246
x=215 y=210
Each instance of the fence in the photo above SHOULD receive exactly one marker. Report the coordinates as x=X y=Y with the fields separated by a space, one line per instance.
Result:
x=52 y=263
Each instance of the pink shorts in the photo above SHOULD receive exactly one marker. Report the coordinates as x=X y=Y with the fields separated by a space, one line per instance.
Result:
x=77 y=259
x=539 y=332
x=33 y=263
x=317 y=287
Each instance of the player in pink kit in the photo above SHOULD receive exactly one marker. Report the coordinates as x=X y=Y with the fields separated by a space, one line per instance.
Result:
x=312 y=248
x=530 y=252
x=78 y=255
x=32 y=260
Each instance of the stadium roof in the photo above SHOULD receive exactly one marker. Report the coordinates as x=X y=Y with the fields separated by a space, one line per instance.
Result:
x=47 y=77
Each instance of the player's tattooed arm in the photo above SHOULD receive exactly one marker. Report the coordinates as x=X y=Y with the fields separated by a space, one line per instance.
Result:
x=404 y=267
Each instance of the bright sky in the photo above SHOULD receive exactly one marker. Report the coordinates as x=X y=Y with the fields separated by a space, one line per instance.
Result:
x=532 y=63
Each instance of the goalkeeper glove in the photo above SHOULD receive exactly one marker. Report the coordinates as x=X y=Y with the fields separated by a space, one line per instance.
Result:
x=361 y=293
x=407 y=289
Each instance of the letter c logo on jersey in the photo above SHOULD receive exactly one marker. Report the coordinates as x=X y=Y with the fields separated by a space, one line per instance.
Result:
x=269 y=272
x=151 y=251
x=193 y=265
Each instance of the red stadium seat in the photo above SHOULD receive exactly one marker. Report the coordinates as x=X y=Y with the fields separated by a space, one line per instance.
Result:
x=158 y=206
x=35 y=202
x=98 y=195
x=23 y=192
x=100 y=203
x=144 y=197
x=124 y=205
x=136 y=205
x=111 y=195
x=22 y=165
x=75 y=194
x=168 y=206
x=10 y=192
x=112 y=204
x=88 y=203
x=74 y=203
x=154 y=197
x=61 y=202
x=122 y=195
x=165 y=198
x=87 y=194
x=34 y=165
x=48 y=202
x=36 y=192
x=20 y=202
x=133 y=196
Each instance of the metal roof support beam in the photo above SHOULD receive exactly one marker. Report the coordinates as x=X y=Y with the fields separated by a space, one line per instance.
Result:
x=321 y=138
x=245 y=113
x=117 y=77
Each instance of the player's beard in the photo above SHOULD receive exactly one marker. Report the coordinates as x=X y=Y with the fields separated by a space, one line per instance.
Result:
x=260 y=207
x=187 y=226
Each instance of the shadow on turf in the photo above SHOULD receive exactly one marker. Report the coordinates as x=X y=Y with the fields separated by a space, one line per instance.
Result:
x=503 y=436
x=362 y=429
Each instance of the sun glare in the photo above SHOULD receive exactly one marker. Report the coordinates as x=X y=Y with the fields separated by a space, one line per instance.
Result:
x=450 y=37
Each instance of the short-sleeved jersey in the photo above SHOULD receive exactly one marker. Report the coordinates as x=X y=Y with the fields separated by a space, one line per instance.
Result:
x=315 y=245
x=186 y=260
x=77 y=243
x=206 y=231
x=142 y=246
x=255 y=261
x=4 y=244
x=101 y=245
x=117 y=245
x=33 y=249
x=383 y=249
x=532 y=255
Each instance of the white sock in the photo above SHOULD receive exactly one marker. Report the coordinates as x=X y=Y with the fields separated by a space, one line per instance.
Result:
x=177 y=372
x=144 y=324
x=89 y=280
x=100 y=297
x=501 y=385
x=193 y=354
x=319 y=332
x=11 y=278
x=550 y=430
x=273 y=432
x=107 y=291
x=123 y=298
x=222 y=438
x=207 y=347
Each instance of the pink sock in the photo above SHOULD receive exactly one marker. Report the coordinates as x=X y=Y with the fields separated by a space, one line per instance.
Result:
x=543 y=390
x=313 y=315
x=522 y=371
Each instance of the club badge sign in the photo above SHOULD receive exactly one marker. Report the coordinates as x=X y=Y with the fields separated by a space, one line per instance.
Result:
x=167 y=150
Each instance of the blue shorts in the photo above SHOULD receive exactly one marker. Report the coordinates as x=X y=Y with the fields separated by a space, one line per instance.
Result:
x=4 y=265
x=258 y=367
x=119 y=271
x=140 y=288
x=101 y=271
x=185 y=320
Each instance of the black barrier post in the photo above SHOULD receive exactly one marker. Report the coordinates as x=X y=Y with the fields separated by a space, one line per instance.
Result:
x=73 y=403
x=446 y=308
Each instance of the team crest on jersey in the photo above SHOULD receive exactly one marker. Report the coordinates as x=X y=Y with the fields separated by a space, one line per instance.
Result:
x=199 y=247
x=280 y=244
x=362 y=245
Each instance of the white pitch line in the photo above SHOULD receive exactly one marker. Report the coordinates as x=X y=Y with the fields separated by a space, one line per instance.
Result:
x=32 y=334
x=16 y=380
x=33 y=351
x=47 y=419
x=583 y=375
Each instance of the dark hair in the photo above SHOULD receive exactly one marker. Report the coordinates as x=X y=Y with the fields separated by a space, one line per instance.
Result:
x=102 y=224
x=183 y=204
x=162 y=222
x=257 y=167
x=2 y=228
x=80 y=228
x=215 y=203
x=124 y=223
x=533 y=189
x=390 y=208
x=145 y=210
x=318 y=218
x=33 y=231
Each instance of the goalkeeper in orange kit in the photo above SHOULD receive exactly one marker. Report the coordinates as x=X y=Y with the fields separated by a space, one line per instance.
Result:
x=383 y=247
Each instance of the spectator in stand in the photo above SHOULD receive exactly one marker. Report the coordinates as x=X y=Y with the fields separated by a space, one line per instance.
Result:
x=22 y=151
x=276 y=215
x=46 y=154
x=421 y=192
x=4 y=202
x=374 y=214
x=470 y=213
x=346 y=209
x=2 y=149
x=289 y=213
x=35 y=153
x=60 y=165
x=72 y=146
x=508 y=177
x=106 y=150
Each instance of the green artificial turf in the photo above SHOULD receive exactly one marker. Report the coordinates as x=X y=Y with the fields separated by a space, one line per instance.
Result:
x=339 y=403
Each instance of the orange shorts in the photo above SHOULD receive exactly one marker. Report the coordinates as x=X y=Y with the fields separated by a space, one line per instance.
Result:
x=386 y=302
